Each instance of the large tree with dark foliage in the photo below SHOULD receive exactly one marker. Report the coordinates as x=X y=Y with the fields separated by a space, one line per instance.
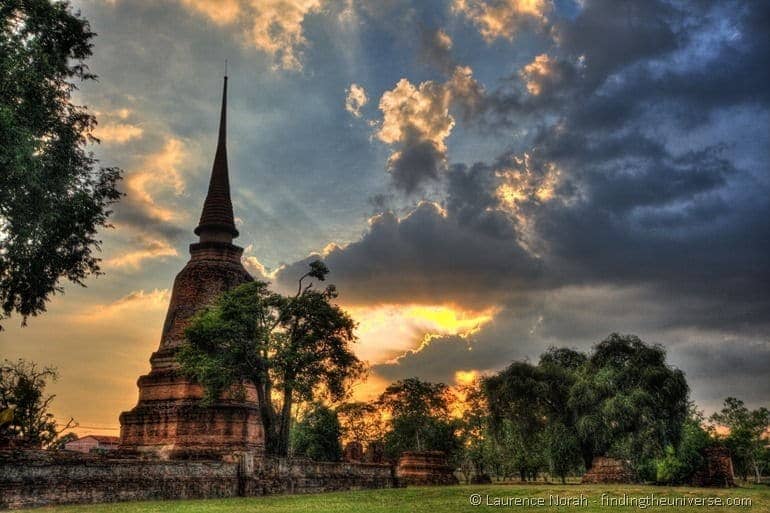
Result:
x=290 y=348
x=53 y=196
x=621 y=400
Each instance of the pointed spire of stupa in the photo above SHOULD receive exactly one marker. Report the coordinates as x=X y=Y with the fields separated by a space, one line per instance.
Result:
x=217 y=221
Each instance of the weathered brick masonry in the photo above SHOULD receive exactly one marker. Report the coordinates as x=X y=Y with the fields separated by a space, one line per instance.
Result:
x=169 y=420
x=38 y=478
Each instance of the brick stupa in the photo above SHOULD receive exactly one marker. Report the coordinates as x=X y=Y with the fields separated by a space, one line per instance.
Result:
x=169 y=420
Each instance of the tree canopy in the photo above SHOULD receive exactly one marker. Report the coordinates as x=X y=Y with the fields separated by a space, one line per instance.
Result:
x=621 y=400
x=419 y=417
x=53 y=196
x=295 y=347
x=747 y=438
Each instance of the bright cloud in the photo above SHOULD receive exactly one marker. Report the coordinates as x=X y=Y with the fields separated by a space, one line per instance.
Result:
x=387 y=331
x=417 y=121
x=422 y=110
x=355 y=100
x=134 y=302
x=271 y=26
x=535 y=71
x=526 y=182
x=502 y=18
x=118 y=133
x=221 y=12
x=159 y=171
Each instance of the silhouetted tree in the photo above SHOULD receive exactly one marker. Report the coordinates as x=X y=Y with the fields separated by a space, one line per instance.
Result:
x=22 y=393
x=53 y=196
x=294 y=347
x=419 y=418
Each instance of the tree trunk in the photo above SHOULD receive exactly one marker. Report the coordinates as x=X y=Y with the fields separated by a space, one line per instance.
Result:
x=268 y=418
x=285 y=424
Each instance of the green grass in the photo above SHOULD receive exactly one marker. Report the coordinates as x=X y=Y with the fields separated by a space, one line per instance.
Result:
x=454 y=499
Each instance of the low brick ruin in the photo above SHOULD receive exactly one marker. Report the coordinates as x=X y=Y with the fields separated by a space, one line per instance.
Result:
x=717 y=469
x=425 y=468
x=41 y=478
x=607 y=471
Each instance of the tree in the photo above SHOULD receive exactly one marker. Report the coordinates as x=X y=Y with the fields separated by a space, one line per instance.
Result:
x=519 y=413
x=622 y=400
x=295 y=347
x=475 y=433
x=361 y=422
x=627 y=401
x=53 y=197
x=562 y=450
x=420 y=419
x=317 y=435
x=747 y=439
x=22 y=391
x=682 y=461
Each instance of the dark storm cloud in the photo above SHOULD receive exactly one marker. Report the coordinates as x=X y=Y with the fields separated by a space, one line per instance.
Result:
x=419 y=161
x=716 y=369
x=426 y=256
x=641 y=112
x=657 y=225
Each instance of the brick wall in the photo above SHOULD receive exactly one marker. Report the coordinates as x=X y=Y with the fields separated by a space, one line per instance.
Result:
x=38 y=478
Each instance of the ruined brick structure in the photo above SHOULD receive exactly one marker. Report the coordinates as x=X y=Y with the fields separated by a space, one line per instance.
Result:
x=44 y=478
x=168 y=420
x=424 y=468
x=717 y=469
x=608 y=470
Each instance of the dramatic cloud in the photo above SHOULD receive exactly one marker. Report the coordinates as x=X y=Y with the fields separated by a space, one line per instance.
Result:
x=610 y=176
x=355 y=99
x=467 y=254
x=613 y=189
x=417 y=122
x=159 y=172
x=271 y=26
x=502 y=18
x=222 y=11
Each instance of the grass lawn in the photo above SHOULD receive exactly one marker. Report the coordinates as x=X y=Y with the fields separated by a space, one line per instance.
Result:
x=452 y=499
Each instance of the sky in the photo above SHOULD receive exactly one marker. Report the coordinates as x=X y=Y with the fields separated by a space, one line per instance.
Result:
x=484 y=178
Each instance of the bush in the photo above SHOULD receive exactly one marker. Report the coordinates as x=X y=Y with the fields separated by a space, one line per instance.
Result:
x=678 y=465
